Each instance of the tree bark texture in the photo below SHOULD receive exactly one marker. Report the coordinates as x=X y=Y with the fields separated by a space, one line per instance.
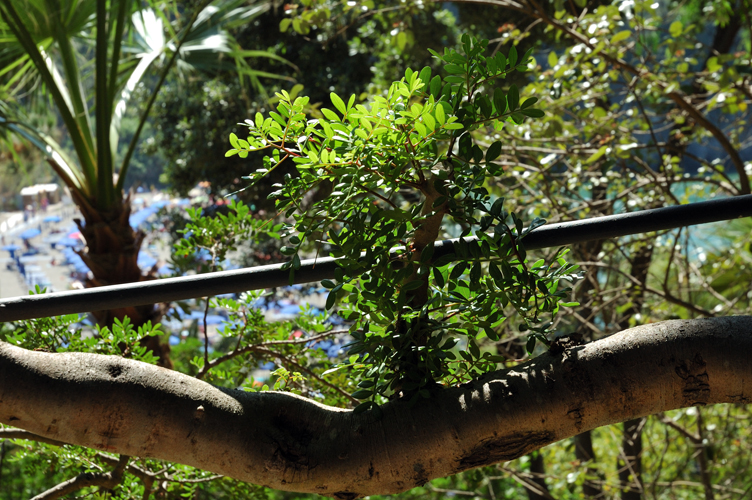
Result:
x=290 y=443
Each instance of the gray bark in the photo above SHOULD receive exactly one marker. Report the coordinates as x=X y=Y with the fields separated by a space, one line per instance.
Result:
x=290 y=443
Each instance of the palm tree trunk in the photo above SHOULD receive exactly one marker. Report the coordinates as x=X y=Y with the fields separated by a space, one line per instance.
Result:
x=111 y=253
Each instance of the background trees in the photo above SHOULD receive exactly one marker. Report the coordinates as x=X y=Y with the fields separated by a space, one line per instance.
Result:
x=87 y=59
x=611 y=141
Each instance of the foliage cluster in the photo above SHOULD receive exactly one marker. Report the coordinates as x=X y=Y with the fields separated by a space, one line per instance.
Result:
x=410 y=311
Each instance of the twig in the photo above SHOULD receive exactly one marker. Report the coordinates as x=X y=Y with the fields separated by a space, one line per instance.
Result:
x=302 y=368
x=108 y=480
x=249 y=348
x=21 y=434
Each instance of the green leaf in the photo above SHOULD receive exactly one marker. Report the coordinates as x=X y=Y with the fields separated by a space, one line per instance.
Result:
x=474 y=350
x=439 y=113
x=529 y=102
x=454 y=69
x=494 y=151
x=530 y=346
x=500 y=101
x=331 y=115
x=513 y=97
x=436 y=86
x=362 y=394
x=330 y=300
x=438 y=277
x=338 y=103
x=512 y=57
x=425 y=75
x=533 y=113
x=676 y=29
x=553 y=59
x=595 y=156
x=401 y=40
x=620 y=36
x=412 y=285
x=363 y=407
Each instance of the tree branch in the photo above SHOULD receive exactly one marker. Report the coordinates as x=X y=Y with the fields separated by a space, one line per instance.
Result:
x=107 y=480
x=291 y=443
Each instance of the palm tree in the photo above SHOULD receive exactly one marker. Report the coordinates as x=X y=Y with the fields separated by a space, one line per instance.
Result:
x=85 y=55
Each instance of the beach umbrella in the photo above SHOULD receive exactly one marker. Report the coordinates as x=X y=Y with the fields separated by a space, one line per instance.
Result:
x=30 y=233
x=68 y=242
x=76 y=261
x=165 y=270
x=211 y=319
x=52 y=218
x=290 y=310
x=11 y=248
x=145 y=261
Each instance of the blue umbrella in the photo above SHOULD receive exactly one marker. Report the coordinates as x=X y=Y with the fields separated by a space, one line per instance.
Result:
x=69 y=242
x=52 y=218
x=30 y=233
x=11 y=248
x=140 y=217
x=292 y=309
x=165 y=270
x=76 y=261
x=211 y=319
x=146 y=261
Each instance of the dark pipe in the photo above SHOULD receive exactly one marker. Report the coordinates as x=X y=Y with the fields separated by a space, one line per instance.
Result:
x=311 y=270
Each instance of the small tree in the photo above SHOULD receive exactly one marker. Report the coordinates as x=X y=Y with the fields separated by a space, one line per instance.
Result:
x=409 y=310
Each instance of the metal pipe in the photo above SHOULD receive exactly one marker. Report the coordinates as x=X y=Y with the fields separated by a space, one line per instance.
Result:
x=312 y=270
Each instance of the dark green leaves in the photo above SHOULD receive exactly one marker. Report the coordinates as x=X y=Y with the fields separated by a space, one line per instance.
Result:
x=405 y=304
x=493 y=152
x=513 y=98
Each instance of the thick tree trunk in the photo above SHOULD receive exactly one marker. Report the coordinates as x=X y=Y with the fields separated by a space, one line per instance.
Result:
x=287 y=442
x=112 y=248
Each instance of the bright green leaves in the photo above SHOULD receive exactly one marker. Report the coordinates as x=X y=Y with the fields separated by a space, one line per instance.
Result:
x=410 y=312
x=338 y=103
x=620 y=37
